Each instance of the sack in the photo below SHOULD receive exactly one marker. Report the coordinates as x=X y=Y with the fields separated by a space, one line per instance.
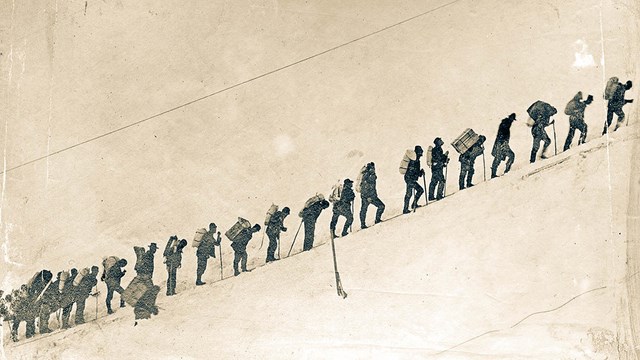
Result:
x=336 y=193
x=235 y=230
x=272 y=210
x=404 y=164
x=465 y=141
x=64 y=276
x=81 y=274
x=312 y=200
x=108 y=262
x=359 y=178
x=136 y=289
x=611 y=87
x=541 y=108
x=170 y=248
x=429 y=156
x=570 y=109
x=197 y=239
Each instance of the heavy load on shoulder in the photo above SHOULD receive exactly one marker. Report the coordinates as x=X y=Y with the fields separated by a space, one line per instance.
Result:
x=611 y=87
x=429 y=158
x=81 y=274
x=272 y=210
x=570 y=109
x=465 y=141
x=235 y=230
x=109 y=261
x=136 y=290
x=541 y=108
x=312 y=200
x=197 y=239
x=336 y=192
x=409 y=155
x=64 y=276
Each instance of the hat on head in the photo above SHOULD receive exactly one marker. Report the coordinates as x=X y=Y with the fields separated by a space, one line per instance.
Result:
x=286 y=210
x=436 y=140
x=418 y=150
x=154 y=245
x=512 y=116
x=348 y=181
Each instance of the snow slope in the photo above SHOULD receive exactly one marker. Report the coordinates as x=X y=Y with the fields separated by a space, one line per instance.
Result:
x=78 y=69
x=526 y=266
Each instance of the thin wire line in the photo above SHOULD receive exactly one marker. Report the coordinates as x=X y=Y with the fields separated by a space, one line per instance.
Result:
x=228 y=88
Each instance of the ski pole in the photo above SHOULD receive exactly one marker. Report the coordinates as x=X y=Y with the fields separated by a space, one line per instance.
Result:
x=484 y=167
x=424 y=182
x=339 y=288
x=221 y=261
x=294 y=238
x=555 y=145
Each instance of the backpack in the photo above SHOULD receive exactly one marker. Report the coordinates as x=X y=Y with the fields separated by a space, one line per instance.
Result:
x=235 y=230
x=272 y=210
x=336 y=193
x=108 y=262
x=359 y=178
x=611 y=87
x=312 y=200
x=404 y=164
x=429 y=156
x=197 y=239
x=81 y=274
x=570 y=109
x=170 y=248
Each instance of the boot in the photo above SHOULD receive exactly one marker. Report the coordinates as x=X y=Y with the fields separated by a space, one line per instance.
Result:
x=109 y=311
x=200 y=282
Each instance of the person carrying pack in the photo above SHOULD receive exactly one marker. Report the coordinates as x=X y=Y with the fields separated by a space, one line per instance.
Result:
x=275 y=225
x=369 y=194
x=240 y=237
x=575 y=109
x=410 y=168
x=438 y=161
x=206 y=249
x=615 y=103
x=342 y=197
x=541 y=113
x=467 y=162
x=112 y=277
x=173 y=260
x=309 y=214
x=83 y=291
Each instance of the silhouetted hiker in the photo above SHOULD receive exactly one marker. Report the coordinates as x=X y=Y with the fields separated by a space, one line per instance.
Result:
x=467 y=161
x=239 y=244
x=412 y=171
x=501 y=149
x=575 y=109
x=50 y=301
x=438 y=161
x=173 y=260
x=615 y=104
x=21 y=309
x=541 y=113
x=275 y=225
x=206 y=249
x=141 y=292
x=309 y=216
x=369 y=195
x=83 y=291
x=112 y=276
x=67 y=298
x=342 y=207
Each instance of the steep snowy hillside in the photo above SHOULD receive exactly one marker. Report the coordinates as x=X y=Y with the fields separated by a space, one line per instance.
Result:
x=527 y=266
x=76 y=70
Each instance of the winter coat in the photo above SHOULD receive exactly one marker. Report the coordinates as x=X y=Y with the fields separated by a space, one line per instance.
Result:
x=84 y=289
x=38 y=283
x=52 y=296
x=207 y=246
x=276 y=223
x=240 y=242
x=470 y=155
x=413 y=171
x=174 y=259
x=144 y=261
x=438 y=158
x=310 y=214
x=503 y=136
x=368 y=185
x=344 y=204
x=617 y=100
x=68 y=294
x=113 y=276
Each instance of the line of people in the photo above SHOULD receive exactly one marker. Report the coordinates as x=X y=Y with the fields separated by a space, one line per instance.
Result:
x=43 y=295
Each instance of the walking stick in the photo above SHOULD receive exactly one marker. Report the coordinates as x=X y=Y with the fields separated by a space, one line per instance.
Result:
x=97 y=294
x=278 y=243
x=555 y=145
x=339 y=288
x=426 y=197
x=262 y=241
x=221 y=261
x=445 y=181
x=352 y=213
x=294 y=238
x=484 y=167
